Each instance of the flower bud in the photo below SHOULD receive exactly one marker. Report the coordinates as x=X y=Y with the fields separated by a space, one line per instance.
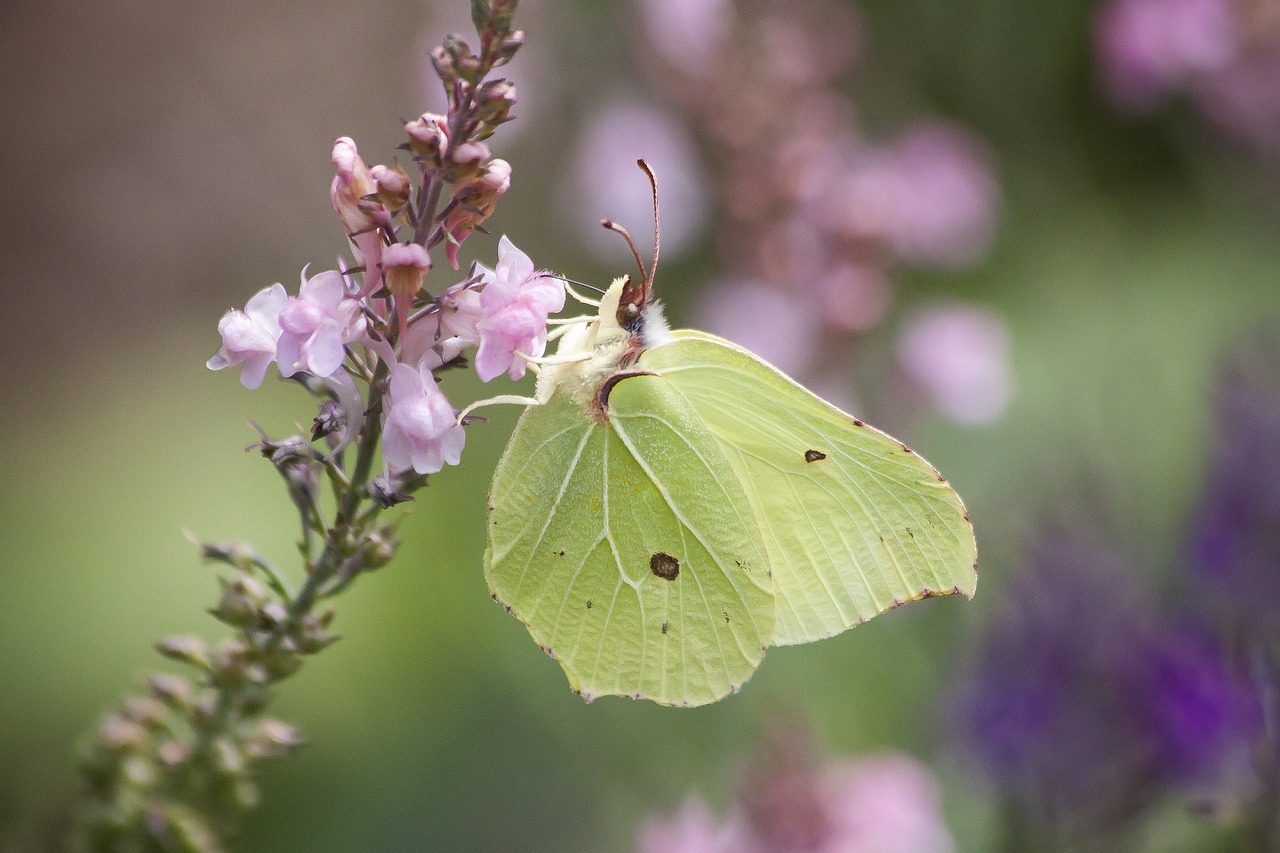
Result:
x=173 y=753
x=119 y=733
x=272 y=739
x=173 y=690
x=352 y=183
x=242 y=595
x=509 y=46
x=187 y=649
x=314 y=634
x=146 y=711
x=428 y=136
x=274 y=615
x=495 y=101
x=227 y=757
x=443 y=63
x=380 y=548
x=393 y=186
x=465 y=161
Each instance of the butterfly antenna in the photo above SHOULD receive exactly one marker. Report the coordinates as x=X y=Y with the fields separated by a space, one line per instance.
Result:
x=567 y=280
x=657 y=227
x=635 y=253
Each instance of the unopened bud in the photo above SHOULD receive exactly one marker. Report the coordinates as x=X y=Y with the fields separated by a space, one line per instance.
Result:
x=146 y=711
x=227 y=757
x=465 y=161
x=173 y=690
x=496 y=100
x=173 y=753
x=496 y=177
x=428 y=136
x=509 y=46
x=379 y=548
x=393 y=186
x=119 y=733
x=352 y=183
x=272 y=739
x=187 y=649
x=314 y=635
x=242 y=595
x=274 y=615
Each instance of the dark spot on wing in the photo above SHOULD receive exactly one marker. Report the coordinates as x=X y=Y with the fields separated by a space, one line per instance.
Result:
x=588 y=604
x=909 y=533
x=726 y=617
x=665 y=627
x=814 y=455
x=905 y=449
x=664 y=566
x=560 y=553
x=857 y=422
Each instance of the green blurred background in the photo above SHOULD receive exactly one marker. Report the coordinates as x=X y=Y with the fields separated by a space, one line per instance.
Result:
x=166 y=160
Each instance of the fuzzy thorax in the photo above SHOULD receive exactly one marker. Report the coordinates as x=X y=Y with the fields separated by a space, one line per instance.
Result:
x=603 y=347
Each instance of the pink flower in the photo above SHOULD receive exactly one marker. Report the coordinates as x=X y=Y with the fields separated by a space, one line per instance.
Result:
x=884 y=803
x=249 y=336
x=514 y=306
x=419 y=431
x=1148 y=48
x=959 y=354
x=315 y=324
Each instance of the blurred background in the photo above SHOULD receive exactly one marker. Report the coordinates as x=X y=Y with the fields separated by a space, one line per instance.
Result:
x=1036 y=241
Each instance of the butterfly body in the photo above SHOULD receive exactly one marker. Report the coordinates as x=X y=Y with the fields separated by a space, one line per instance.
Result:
x=675 y=505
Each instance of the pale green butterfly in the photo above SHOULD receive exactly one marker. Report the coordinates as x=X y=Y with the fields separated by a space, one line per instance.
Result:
x=670 y=505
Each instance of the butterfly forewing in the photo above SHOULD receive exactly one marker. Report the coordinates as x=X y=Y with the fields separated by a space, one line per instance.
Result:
x=854 y=523
x=629 y=548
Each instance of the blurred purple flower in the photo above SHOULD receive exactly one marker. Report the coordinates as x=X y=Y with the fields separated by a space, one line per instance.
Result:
x=1047 y=709
x=606 y=182
x=1205 y=719
x=1235 y=541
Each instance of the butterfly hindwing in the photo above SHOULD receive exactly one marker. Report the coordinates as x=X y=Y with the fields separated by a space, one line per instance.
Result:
x=629 y=549
x=854 y=523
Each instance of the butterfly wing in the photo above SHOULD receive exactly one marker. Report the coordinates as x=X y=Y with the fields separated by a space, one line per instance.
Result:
x=629 y=548
x=854 y=523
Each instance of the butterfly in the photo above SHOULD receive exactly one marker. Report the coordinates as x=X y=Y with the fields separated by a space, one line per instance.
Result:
x=673 y=505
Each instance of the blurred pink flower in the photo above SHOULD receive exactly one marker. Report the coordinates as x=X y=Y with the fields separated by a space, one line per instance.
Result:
x=514 y=304
x=886 y=803
x=688 y=34
x=947 y=197
x=249 y=336
x=607 y=184
x=930 y=196
x=1243 y=100
x=1147 y=48
x=781 y=329
x=419 y=430
x=692 y=829
x=315 y=324
x=959 y=354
